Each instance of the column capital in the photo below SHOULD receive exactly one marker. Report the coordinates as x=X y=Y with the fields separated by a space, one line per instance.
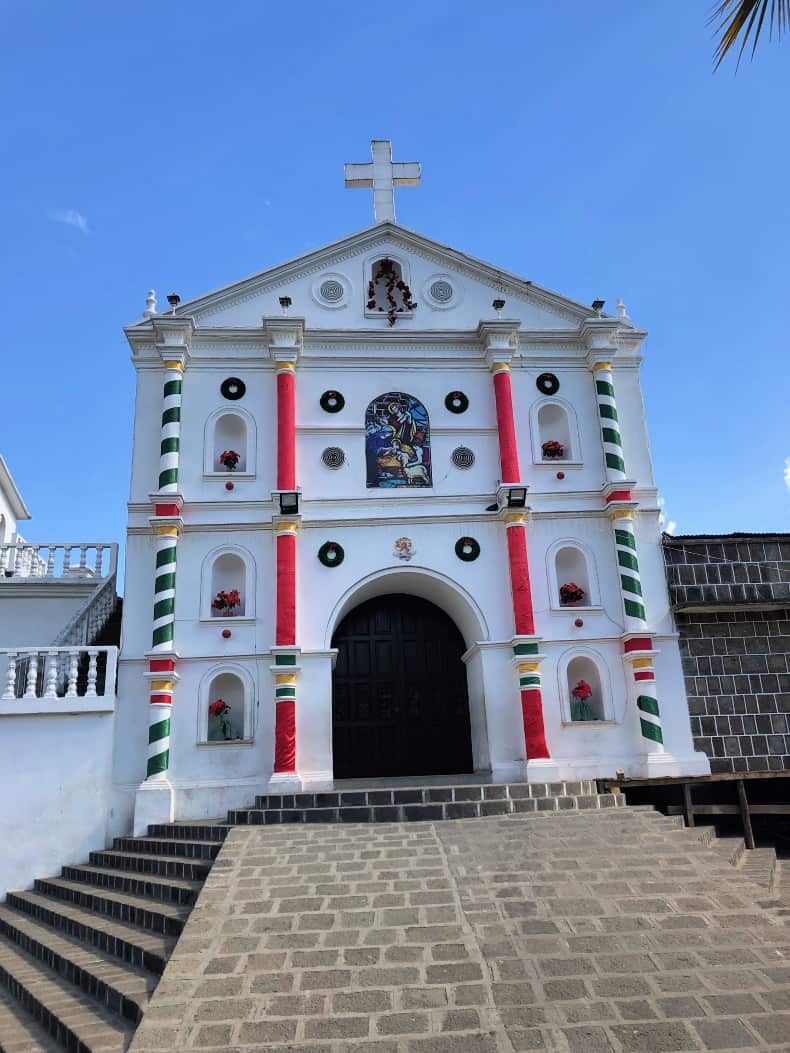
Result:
x=619 y=495
x=289 y=524
x=286 y=338
x=166 y=524
x=600 y=335
x=173 y=337
x=499 y=337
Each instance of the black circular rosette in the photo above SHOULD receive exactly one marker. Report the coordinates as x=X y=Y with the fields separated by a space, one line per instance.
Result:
x=467 y=549
x=456 y=402
x=331 y=554
x=332 y=402
x=547 y=384
x=232 y=388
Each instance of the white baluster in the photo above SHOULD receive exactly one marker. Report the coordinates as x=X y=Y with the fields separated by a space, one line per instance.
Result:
x=52 y=674
x=98 y=561
x=73 y=660
x=67 y=558
x=10 y=687
x=18 y=558
x=3 y=558
x=36 y=570
x=32 y=674
x=90 y=691
x=51 y=561
x=83 y=558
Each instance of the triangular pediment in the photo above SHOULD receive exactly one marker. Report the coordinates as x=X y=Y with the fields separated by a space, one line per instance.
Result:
x=328 y=287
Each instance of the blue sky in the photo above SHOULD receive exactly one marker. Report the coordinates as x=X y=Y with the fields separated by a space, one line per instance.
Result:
x=588 y=147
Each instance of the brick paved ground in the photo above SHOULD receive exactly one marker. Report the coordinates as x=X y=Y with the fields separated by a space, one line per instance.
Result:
x=603 y=932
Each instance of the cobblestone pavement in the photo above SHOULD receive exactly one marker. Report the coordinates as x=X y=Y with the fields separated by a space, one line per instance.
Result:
x=598 y=932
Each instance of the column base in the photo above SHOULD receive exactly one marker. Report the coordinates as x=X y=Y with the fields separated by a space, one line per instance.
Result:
x=284 y=782
x=544 y=770
x=154 y=802
x=662 y=765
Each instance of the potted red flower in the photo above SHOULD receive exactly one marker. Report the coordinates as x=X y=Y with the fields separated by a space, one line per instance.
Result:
x=229 y=459
x=571 y=593
x=219 y=710
x=225 y=603
x=580 y=710
x=553 y=449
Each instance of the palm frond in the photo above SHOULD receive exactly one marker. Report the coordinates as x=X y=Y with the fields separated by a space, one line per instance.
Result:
x=736 y=18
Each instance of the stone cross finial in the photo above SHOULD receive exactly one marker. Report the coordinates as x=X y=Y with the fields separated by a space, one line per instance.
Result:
x=150 y=304
x=383 y=174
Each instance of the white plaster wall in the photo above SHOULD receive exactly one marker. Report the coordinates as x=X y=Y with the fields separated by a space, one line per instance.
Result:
x=30 y=616
x=7 y=519
x=55 y=773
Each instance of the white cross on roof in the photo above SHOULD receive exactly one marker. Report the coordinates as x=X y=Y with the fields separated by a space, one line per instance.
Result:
x=383 y=174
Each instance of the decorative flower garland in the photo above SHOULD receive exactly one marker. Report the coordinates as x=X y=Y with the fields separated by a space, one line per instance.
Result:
x=332 y=402
x=570 y=592
x=579 y=709
x=220 y=709
x=331 y=554
x=552 y=449
x=467 y=549
x=226 y=603
x=387 y=274
x=229 y=459
x=456 y=402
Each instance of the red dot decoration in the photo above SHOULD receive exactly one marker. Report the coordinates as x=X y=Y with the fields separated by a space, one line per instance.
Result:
x=560 y=475
x=226 y=634
x=579 y=623
x=228 y=486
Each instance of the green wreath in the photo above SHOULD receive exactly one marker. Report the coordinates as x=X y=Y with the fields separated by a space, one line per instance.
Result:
x=332 y=402
x=331 y=554
x=456 y=402
x=467 y=549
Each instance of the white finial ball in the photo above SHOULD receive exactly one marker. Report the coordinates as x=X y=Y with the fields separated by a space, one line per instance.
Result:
x=622 y=310
x=150 y=304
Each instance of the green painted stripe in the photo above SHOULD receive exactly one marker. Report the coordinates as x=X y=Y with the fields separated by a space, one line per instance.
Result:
x=165 y=556
x=631 y=584
x=159 y=763
x=285 y=659
x=529 y=681
x=651 y=731
x=160 y=730
x=647 y=704
x=603 y=387
x=169 y=445
x=172 y=387
x=164 y=582
x=607 y=411
x=625 y=537
x=164 y=607
x=613 y=461
x=285 y=692
x=625 y=559
x=162 y=634
x=525 y=648
x=170 y=475
x=635 y=610
x=170 y=416
x=611 y=435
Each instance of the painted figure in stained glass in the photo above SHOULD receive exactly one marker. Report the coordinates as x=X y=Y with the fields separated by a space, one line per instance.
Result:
x=397 y=441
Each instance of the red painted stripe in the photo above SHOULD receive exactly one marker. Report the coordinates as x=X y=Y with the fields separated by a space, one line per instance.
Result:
x=161 y=665
x=285 y=737
x=508 y=448
x=644 y=674
x=286 y=431
x=166 y=510
x=161 y=700
x=285 y=630
x=534 y=732
x=519 y=581
x=619 y=495
x=638 y=643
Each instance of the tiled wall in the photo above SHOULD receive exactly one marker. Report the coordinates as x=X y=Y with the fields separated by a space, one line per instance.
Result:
x=731 y=598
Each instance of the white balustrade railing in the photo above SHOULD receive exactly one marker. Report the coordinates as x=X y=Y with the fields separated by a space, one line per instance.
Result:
x=61 y=560
x=91 y=618
x=57 y=672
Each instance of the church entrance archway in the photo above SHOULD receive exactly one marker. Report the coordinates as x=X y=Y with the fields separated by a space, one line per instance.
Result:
x=400 y=703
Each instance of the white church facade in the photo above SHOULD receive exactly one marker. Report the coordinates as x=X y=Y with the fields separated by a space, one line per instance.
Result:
x=392 y=513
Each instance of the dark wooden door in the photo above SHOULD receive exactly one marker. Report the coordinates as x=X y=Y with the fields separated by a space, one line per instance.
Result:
x=400 y=702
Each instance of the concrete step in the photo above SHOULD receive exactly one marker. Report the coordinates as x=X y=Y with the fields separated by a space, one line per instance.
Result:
x=121 y=987
x=758 y=864
x=138 y=946
x=211 y=830
x=168 y=890
x=433 y=811
x=150 y=914
x=163 y=846
x=77 y=1021
x=159 y=866
x=20 y=1032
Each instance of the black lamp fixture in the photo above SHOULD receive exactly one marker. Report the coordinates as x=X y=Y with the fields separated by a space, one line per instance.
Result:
x=289 y=502
x=597 y=306
x=174 y=300
x=498 y=304
x=285 y=303
x=517 y=497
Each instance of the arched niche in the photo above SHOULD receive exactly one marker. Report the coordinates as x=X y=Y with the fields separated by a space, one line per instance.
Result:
x=583 y=664
x=224 y=570
x=554 y=420
x=397 y=442
x=571 y=562
x=232 y=430
x=387 y=287
x=232 y=684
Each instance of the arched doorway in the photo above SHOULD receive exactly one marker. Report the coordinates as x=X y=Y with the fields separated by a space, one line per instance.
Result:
x=400 y=703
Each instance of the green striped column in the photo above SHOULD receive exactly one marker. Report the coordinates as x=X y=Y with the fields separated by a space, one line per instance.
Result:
x=164 y=588
x=162 y=669
x=610 y=426
x=171 y=428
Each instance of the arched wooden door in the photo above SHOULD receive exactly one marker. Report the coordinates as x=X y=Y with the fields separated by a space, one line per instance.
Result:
x=400 y=703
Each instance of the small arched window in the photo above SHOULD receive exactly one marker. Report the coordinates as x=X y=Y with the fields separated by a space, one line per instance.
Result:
x=585 y=695
x=388 y=293
x=228 y=584
x=227 y=706
x=230 y=443
x=572 y=578
x=555 y=433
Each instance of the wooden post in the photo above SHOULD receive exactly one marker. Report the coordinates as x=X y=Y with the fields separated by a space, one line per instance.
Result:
x=688 y=807
x=744 y=806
